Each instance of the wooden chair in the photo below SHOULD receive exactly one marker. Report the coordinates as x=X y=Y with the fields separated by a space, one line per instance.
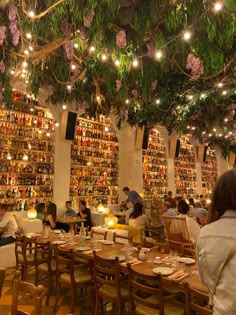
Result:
x=71 y=274
x=196 y=301
x=123 y=239
x=37 y=294
x=147 y=295
x=101 y=235
x=177 y=235
x=2 y=276
x=136 y=233
x=109 y=285
x=45 y=264
x=24 y=251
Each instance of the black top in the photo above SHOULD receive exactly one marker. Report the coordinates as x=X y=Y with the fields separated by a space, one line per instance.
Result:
x=88 y=221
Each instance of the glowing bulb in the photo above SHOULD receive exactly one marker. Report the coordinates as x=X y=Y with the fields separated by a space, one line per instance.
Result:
x=98 y=98
x=31 y=14
x=117 y=62
x=12 y=72
x=204 y=132
x=158 y=55
x=202 y=95
x=187 y=35
x=24 y=71
x=24 y=64
x=92 y=49
x=31 y=48
x=29 y=146
x=76 y=45
x=226 y=120
x=26 y=52
x=106 y=129
x=193 y=128
x=224 y=92
x=25 y=157
x=23 y=75
x=127 y=101
x=104 y=57
x=8 y=156
x=73 y=67
x=31 y=109
x=188 y=127
x=48 y=134
x=218 y=6
x=57 y=124
x=210 y=134
x=135 y=63
x=158 y=101
x=64 y=106
x=220 y=85
x=69 y=87
x=220 y=135
x=190 y=97
x=28 y=35
x=214 y=129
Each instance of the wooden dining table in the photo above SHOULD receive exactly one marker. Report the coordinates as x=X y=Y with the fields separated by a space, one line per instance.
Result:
x=110 y=249
x=71 y=221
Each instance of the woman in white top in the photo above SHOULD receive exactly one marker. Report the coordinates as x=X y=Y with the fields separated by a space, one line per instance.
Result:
x=137 y=219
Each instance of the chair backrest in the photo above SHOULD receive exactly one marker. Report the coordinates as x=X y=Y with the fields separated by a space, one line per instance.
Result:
x=107 y=272
x=2 y=276
x=177 y=233
x=136 y=233
x=196 y=301
x=123 y=239
x=37 y=293
x=143 y=286
x=98 y=234
x=23 y=247
x=43 y=253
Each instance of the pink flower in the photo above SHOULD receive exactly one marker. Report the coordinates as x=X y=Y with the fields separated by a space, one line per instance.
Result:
x=2 y=34
x=154 y=85
x=88 y=18
x=151 y=50
x=66 y=28
x=118 y=85
x=2 y=67
x=135 y=93
x=14 y=25
x=12 y=15
x=195 y=65
x=121 y=39
x=69 y=49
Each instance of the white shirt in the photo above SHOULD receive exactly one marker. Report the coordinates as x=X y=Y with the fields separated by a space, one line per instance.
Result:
x=9 y=225
x=140 y=222
x=214 y=244
x=192 y=226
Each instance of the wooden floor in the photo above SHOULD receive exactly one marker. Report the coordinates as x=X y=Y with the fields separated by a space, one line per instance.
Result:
x=84 y=308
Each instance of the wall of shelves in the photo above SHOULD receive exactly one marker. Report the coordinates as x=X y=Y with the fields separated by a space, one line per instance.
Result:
x=26 y=153
x=94 y=161
x=155 y=166
x=185 y=169
x=209 y=172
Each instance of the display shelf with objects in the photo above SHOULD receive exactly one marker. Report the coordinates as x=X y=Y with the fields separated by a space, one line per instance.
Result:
x=26 y=152
x=209 y=171
x=185 y=169
x=94 y=161
x=155 y=166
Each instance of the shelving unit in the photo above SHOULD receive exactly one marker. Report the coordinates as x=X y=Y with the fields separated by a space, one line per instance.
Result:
x=26 y=153
x=185 y=169
x=155 y=166
x=209 y=172
x=94 y=161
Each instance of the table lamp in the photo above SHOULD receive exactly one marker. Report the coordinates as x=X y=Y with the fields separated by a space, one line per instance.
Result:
x=111 y=220
x=32 y=214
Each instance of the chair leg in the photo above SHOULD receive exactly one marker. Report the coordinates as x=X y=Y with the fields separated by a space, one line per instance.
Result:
x=73 y=291
x=97 y=306
x=57 y=298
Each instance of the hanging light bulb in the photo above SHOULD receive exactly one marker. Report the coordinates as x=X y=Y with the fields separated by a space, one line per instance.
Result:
x=28 y=35
x=31 y=48
x=92 y=49
x=104 y=57
x=25 y=157
x=127 y=101
x=158 y=101
x=187 y=35
x=76 y=45
x=220 y=85
x=158 y=55
x=31 y=14
x=57 y=124
x=26 y=52
x=202 y=95
x=135 y=63
x=224 y=92
x=117 y=62
x=73 y=66
x=24 y=64
x=8 y=156
x=64 y=106
x=69 y=87
x=218 y=6
x=12 y=72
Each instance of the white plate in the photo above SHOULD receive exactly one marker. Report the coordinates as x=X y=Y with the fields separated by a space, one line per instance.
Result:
x=186 y=260
x=57 y=231
x=165 y=271
x=82 y=248
x=121 y=258
x=157 y=261
x=106 y=242
x=87 y=237
x=58 y=242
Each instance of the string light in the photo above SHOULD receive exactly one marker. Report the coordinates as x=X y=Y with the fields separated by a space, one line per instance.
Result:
x=224 y=92
x=190 y=97
x=24 y=64
x=104 y=57
x=31 y=14
x=26 y=52
x=73 y=66
x=158 y=101
x=158 y=55
x=127 y=101
x=76 y=45
x=69 y=87
x=57 y=124
x=12 y=72
x=226 y=120
x=28 y=35
x=202 y=95
x=64 y=107
x=31 y=48
x=135 y=63
x=117 y=62
x=98 y=98
x=92 y=49
x=187 y=35
x=220 y=85
x=218 y=6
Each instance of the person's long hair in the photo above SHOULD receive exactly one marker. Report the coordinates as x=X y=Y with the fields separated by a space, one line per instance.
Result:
x=137 y=212
x=224 y=196
x=52 y=209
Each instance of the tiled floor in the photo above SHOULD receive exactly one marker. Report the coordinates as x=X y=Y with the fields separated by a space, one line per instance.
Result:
x=82 y=308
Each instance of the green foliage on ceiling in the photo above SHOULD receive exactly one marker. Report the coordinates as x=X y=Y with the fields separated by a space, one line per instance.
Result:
x=157 y=91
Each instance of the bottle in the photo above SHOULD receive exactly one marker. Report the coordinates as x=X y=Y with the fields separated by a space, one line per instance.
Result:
x=82 y=234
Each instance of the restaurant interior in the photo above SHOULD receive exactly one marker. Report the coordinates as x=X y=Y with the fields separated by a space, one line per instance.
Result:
x=117 y=119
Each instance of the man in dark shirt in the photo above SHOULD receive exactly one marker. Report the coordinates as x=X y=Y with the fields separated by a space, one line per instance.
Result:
x=85 y=213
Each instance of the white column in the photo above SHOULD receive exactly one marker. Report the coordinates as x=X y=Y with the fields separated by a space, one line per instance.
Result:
x=130 y=162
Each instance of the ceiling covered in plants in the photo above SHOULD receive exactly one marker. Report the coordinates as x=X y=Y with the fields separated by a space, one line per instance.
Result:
x=157 y=61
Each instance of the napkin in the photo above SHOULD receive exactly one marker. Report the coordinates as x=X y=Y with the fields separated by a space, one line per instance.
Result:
x=132 y=262
x=69 y=245
x=166 y=258
x=178 y=275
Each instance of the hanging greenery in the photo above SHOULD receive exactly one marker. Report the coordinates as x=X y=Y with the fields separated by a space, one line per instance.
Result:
x=149 y=62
